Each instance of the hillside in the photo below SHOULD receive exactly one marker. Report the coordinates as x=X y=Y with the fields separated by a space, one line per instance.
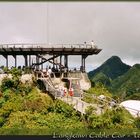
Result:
x=129 y=83
x=26 y=110
x=109 y=70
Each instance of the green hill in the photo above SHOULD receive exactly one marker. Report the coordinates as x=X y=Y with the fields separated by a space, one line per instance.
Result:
x=109 y=70
x=129 y=83
x=120 y=79
x=26 y=110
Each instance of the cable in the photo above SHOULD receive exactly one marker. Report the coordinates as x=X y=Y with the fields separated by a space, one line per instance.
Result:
x=47 y=22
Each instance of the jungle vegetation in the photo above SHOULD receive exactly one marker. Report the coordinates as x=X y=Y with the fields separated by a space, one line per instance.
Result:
x=25 y=110
x=119 y=78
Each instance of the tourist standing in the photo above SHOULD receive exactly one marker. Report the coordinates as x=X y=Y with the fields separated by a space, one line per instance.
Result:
x=92 y=44
x=71 y=92
x=65 y=91
x=50 y=71
x=85 y=44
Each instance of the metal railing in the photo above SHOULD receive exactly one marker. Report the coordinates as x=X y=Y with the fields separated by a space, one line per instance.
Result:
x=30 y=45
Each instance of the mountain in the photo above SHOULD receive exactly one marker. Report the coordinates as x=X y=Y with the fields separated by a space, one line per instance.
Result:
x=129 y=83
x=109 y=70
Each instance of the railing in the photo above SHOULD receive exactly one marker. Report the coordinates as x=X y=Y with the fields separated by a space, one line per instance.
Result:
x=77 y=104
x=30 y=45
x=80 y=105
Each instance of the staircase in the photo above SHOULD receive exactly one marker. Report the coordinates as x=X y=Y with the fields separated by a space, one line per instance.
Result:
x=75 y=77
x=80 y=82
x=76 y=101
x=76 y=88
x=49 y=86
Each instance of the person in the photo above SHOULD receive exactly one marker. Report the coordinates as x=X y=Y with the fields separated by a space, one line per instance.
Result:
x=65 y=72
x=64 y=91
x=85 y=44
x=49 y=71
x=92 y=44
x=71 y=92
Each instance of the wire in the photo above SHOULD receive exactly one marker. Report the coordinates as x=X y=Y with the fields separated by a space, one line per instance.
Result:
x=47 y=22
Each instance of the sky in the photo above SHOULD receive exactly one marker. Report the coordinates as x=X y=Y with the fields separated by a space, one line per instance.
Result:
x=114 y=27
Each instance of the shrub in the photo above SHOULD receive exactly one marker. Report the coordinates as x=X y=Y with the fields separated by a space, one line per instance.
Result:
x=12 y=105
x=6 y=84
x=6 y=70
x=20 y=119
x=64 y=108
x=23 y=89
x=35 y=101
x=137 y=122
x=90 y=110
x=53 y=122
x=111 y=118
x=2 y=120
x=88 y=98
x=2 y=101
x=7 y=94
x=99 y=89
x=119 y=117
x=16 y=72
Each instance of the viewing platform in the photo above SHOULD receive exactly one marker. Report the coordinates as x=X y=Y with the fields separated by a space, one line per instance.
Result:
x=54 y=49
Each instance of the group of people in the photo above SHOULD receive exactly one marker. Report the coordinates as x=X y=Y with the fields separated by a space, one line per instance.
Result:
x=64 y=92
x=47 y=72
x=92 y=44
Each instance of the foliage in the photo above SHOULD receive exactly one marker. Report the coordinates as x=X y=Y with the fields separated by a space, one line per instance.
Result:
x=119 y=78
x=99 y=89
x=90 y=110
x=112 y=68
x=112 y=118
x=101 y=78
x=129 y=83
x=135 y=96
x=95 y=121
x=16 y=72
x=64 y=108
x=14 y=84
x=52 y=122
x=2 y=101
x=7 y=94
x=2 y=120
x=12 y=105
x=6 y=84
x=137 y=122
x=88 y=98
x=23 y=89
x=27 y=70
x=37 y=102
x=6 y=70
x=93 y=93
x=24 y=108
